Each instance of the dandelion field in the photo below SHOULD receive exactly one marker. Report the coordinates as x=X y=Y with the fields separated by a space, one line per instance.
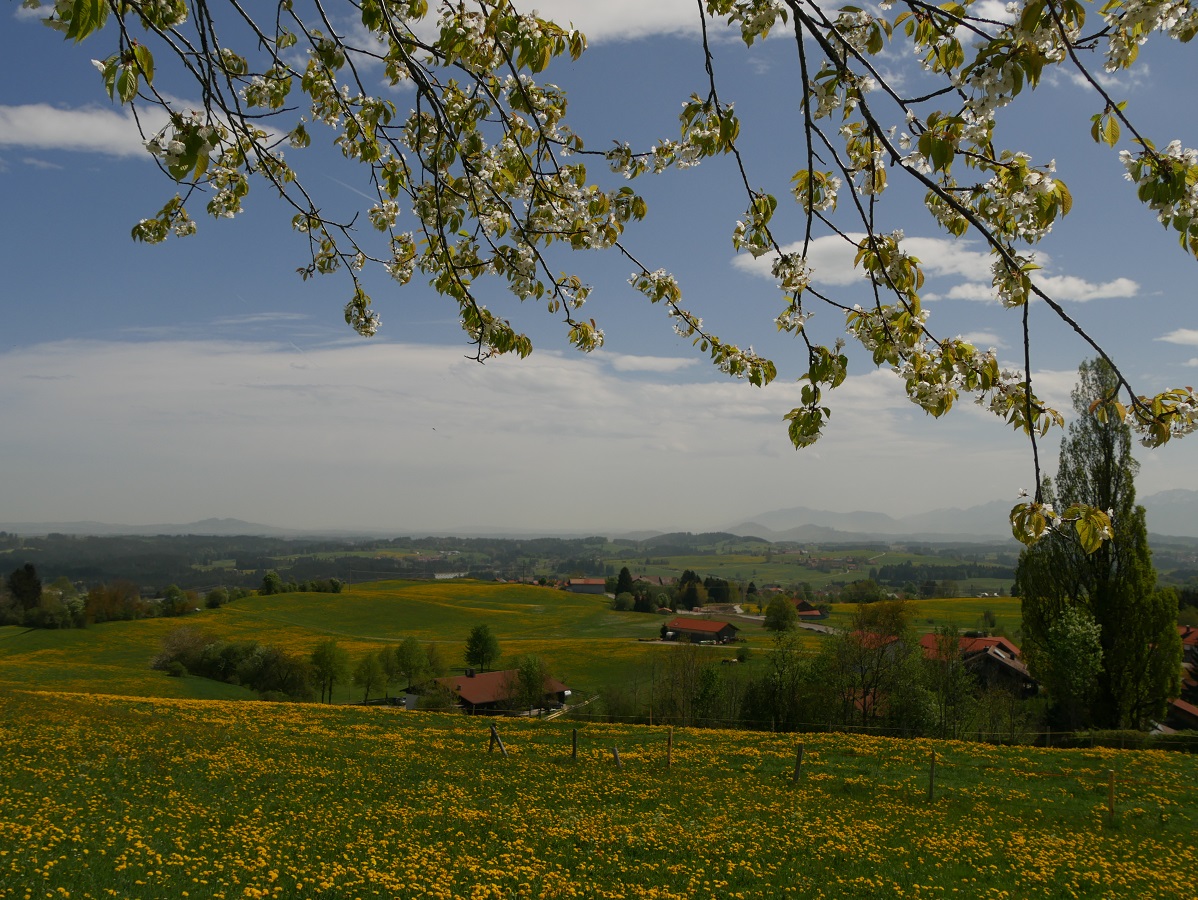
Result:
x=106 y=796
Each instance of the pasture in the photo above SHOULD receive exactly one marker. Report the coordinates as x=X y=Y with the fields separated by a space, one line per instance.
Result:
x=586 y=644
x=215 y=800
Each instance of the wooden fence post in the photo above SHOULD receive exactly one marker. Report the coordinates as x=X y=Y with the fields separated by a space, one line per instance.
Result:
x=670 y=747
x=615 y=751
x=798 y=763
x=574 y=745
x=496 y=739
x=932 y=778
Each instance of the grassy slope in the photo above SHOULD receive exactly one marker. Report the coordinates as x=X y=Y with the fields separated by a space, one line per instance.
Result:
x=586 y=644
x=168 y=798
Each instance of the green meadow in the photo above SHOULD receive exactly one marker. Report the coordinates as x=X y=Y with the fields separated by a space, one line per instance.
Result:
x=217 y=800
x=587 y=645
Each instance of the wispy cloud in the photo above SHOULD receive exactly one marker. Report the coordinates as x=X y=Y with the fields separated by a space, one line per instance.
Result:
x=984 y=339
x=831 y=260
x=624 y=363
x=410 y=437
x=619 y=19
x=89 y=128
x=1185 y=336
x=260 y=318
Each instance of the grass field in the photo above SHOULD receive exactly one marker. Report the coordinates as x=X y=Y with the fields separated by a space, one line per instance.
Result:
x=586 y=644
x=134 y=798
x=964 y=612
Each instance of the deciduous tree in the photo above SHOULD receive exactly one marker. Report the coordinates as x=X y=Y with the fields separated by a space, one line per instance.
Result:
x=1115 y=584
x=496 y=179
x=482 y=647
x=781 y=614
x=411 y=660
x=369 y=675
x=330 y=664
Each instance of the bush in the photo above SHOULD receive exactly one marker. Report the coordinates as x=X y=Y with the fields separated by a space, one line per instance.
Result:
x=176 y=669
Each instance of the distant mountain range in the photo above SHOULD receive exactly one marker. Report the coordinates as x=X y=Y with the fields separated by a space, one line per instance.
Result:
x=217 y=527
x=1172 y=513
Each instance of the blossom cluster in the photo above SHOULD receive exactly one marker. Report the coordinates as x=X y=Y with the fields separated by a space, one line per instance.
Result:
x=1130 y=22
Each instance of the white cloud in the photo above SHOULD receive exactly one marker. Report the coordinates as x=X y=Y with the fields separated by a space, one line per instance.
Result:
x=984 y=339
x=412 y=437
x=831 y=259
x=619 y=19
x=89 y=128
x=1070 y=287
x=1185 y=336
x=261 y=318
x=625 y=363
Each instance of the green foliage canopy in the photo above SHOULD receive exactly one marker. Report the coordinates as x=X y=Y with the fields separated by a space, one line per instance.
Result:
x=1114 y=584
x=496 y=178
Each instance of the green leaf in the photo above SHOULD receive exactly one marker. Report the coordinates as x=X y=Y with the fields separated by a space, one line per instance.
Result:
x=87 y=16
x=126 y=84
x=145 y=60
x=1111 y=131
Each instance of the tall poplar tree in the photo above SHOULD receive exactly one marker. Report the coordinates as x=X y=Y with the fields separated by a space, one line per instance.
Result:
x=1114 y=585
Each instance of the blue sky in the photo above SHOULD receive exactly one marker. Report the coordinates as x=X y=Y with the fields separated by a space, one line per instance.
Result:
x=203 y=378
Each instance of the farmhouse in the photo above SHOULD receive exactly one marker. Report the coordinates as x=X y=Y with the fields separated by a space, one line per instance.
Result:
x=683 y=628
x=480 y=692
x=806 y=611
x=586 y=585
x=1189 y=643
x=994 y=660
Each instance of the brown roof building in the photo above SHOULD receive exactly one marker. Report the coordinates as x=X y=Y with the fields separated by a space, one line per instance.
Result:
x=994 y=660
x=492 y=691
x=697 y=630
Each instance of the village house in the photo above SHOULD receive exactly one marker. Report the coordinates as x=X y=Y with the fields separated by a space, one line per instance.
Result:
x=806 y=611
x=995 y=661
x=587 y=585
x=684 y=628
x=489 y=692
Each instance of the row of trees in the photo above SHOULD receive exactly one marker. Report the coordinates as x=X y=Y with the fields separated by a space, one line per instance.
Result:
x=276 y=672
x=273 y=583
x=874 y=675
x=60 y=604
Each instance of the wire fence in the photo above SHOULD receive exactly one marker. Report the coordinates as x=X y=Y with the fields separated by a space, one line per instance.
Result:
x=833 y=761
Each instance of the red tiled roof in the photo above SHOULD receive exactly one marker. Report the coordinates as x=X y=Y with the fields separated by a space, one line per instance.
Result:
x=712 y=626
x=969 y=646
x=871 y=640
x=602 y=581
x=491 y=687
x=1185 y=707
x=1188 y=634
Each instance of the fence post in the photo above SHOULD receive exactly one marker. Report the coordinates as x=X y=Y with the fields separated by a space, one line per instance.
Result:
x=670 y=747
x=574 y=745
x=932 y=778
x=1110 y=798
x=496 y=739
x=615 y=751
x=798 y=763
